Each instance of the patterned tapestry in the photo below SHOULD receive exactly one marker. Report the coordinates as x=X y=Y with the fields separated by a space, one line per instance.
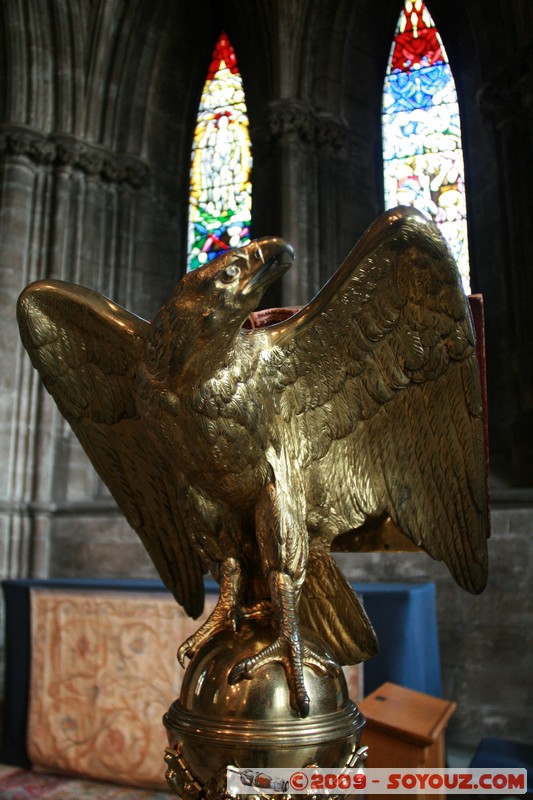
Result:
x=104 y=671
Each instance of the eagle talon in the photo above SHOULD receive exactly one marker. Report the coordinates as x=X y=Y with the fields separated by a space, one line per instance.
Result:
x=234 y=618
x=220 y=620
x=319 y=664
x=240 y=671
x=186 y=650
x=283 y=651
x=303 y=704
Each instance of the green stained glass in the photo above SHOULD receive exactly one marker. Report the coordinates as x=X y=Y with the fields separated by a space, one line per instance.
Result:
x=422 y=150
x=220 y=199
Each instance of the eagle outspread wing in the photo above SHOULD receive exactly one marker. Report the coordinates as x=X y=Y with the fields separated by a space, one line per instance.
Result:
x=87 y=350
x=261 y=447
x=378 y=397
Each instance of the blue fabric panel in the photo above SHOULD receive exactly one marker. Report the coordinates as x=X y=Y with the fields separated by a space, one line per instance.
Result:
x=405 y=620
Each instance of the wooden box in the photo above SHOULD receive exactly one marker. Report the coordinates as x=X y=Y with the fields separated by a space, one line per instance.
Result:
x=404 y=728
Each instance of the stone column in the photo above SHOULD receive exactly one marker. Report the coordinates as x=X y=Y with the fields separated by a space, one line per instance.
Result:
x=18 y=226
x=331 y=141
x=507 y=106
x=69 y=212
x=298 y=160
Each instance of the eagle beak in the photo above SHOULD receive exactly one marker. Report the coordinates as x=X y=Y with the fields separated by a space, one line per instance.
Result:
x=269 y=258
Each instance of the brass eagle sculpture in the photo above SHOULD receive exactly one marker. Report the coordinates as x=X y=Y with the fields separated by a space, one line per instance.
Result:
x=247 y=452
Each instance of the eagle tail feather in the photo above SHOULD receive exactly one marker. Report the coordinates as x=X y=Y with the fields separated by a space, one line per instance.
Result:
x=331 y=610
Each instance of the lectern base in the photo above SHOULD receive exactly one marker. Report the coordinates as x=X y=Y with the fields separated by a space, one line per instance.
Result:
x=251 y=724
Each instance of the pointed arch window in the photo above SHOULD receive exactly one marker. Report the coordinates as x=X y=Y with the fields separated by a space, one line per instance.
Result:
x=422 y=149
x=220 y=197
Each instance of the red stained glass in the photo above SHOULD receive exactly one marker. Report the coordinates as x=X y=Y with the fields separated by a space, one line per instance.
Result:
x=223 y=52
x=416 y=42
x=408 y=51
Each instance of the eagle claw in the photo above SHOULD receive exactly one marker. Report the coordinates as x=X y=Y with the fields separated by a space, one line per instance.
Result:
x=246 y=669
x=292 y=658
x=239 y=671
x=224 y=616
x=185 y=651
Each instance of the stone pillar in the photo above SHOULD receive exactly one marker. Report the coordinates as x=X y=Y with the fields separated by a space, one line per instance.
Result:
x=18 y=227
x=507 y=106
x=332 y=141
x=68 y=211
x=298 y=160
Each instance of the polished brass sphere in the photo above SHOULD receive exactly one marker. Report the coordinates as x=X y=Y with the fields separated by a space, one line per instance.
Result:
x=252 y=724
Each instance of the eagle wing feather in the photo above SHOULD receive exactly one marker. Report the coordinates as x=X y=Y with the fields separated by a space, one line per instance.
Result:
x=87 y=350
x=387 y=349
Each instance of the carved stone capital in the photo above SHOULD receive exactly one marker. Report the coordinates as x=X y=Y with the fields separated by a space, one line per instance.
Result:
x=90 y=161
x=331 y=133
x=135 y=171
x=42 y=151
x=113 y=170
x=17 y=140
x=65 y=150
x=293 y=120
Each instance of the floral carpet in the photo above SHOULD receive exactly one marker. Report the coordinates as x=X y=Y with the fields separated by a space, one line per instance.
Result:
x=17 y=784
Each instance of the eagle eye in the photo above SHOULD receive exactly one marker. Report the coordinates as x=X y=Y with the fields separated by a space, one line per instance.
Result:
x=230 y=273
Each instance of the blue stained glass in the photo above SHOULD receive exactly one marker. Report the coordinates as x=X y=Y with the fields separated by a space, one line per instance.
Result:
x=417 y=89
x=425 y=131
x=422 y=150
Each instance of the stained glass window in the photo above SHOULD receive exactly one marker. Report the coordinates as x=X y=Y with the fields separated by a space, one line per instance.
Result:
x=220 y=200
x=422 y=150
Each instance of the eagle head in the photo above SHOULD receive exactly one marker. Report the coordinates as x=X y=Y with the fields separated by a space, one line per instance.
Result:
x=195 y=328
x=232 y=285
